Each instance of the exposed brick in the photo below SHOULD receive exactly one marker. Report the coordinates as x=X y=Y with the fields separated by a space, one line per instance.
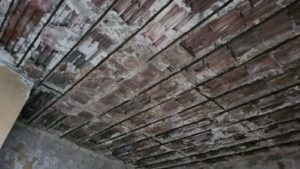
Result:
x=67 y=124
x=121 y=141
x=200 y=40
x=109 y=134
x=243 y=94
x=111 y=100
x=40 y=98
x=230 y=22
x=263 y=65
x=152 y=151
x=209 y=67
x=172 y=59
x=288 y=55
x=169 y=88
x=237 y=114
x=48 y=118
x=200 y=113
x=190 y=97
x=131 y=159
x=294 y=13
x=87 y=131
x=144 y=78
x=131 y=148
x=159 y=158
x=226 y=82
x=261 y=37
x=80 y=97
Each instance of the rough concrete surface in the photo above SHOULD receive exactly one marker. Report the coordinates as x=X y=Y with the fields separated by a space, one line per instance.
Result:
x=28 y=148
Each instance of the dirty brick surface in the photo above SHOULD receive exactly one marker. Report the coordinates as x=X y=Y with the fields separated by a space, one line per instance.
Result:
x=160 y=83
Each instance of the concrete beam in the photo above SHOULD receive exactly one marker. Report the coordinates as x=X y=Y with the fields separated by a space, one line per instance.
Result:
x=14 y=91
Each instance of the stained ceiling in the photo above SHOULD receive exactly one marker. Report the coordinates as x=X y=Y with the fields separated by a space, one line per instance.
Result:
x=160 y=83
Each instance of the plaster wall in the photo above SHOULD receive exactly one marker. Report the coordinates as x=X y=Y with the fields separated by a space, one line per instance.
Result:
x=13 y=95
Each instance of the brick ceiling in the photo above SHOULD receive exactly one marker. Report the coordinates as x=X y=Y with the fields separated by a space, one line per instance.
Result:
x=160 y=83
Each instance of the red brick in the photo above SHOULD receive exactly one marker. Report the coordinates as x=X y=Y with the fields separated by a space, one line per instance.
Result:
x=134 y=147
x=198 y=113
x=198 y=6
x=294 y=12
x=214 y=64
x=260 y=9
x=121 y=141
x=68 y=124
x=169 y=88
x=243 y=95
x=165 y=109
x=199 y=40
x=281 y=81
x=190 y=97
x=289 y=54
x=145 y=77
x=237 y=114
x=111 y=100
x=86 y=131
x=173 y=58
x=112 y=69
x=259 y=36
x=80 y=97
x=263 y=65
x=109 y=134
x=228 y=23
x=225 y=82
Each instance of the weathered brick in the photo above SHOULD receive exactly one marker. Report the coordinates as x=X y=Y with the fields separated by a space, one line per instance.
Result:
x=48 y=118
x=288 y=55
x=199 y=113
x=67 y=124
x=169 y=88
x=87 y=131
x=132 y=148
x=237 y=114
x=260 y=122
x=201 y=128
x=162 y=111
x=152 y=151
x=172 y=59
x=190 y=97
x=60 y=79
x=80 y=97
x=262 y=66
x=261 y=38
x=243 y=94
x=211 y=66
x=109 y=134
x=159 y=158
x=131 y=159
x=226 y=82
x=230 y=22
x=200 y=40
x=121 y=141
x=294 y=13
x=40 y=98
x=145 y=77
x=260 y=9
x=111 y=100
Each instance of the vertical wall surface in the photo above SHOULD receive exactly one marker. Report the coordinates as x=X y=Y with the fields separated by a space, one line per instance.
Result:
x=28 y=148
x=13 y=95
